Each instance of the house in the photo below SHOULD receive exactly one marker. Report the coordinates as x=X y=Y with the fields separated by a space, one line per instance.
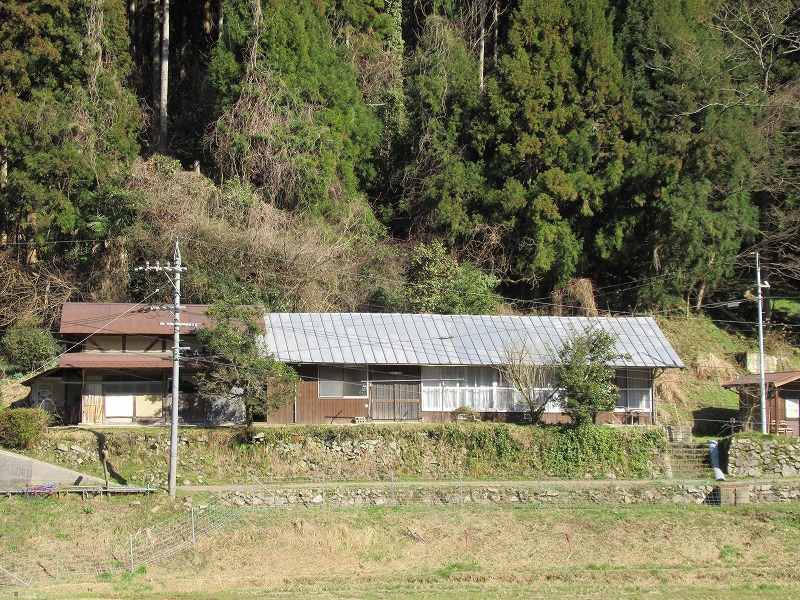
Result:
x=782 y=394
x=118 y=367
x=420 y=367
x=353 y=366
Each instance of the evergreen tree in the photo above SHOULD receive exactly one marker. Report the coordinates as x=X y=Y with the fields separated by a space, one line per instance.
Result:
x=557 y=112
x=292 y=119
x=68 y=125
x=438 y=284
x=584 y=377
x=686 y=204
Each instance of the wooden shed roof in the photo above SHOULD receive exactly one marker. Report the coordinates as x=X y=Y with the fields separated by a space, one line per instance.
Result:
x=778 y=379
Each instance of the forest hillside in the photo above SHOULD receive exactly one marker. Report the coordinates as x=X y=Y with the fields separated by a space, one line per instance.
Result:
x=480 y=156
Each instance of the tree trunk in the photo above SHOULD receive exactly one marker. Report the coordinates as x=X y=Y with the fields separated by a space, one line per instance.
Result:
x=133 y=30
x=155 y=59
x=481 y=47
x=3 y=166
x=496 y=28
x=163 y=143
x=701 y=296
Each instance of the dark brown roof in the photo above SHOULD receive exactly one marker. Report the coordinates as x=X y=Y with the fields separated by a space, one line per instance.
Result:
x=87 y=318
x=123 y=360
x=777 y=379
x=116 y=360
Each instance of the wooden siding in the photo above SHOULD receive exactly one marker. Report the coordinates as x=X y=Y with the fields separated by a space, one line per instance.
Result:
x=750 y=406
x=311 y=409
x=395 y=396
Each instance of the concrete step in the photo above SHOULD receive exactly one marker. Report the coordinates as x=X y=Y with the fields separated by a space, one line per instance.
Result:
x=690 y=460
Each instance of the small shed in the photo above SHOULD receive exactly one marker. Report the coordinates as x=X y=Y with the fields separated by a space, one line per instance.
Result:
x=782 y=391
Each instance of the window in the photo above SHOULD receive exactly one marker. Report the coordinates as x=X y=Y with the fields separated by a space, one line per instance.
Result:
x=343 y=382
x=635 y=389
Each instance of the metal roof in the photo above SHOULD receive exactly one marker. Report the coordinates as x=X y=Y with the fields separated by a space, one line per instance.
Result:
x=423 y=339
x=778 y=379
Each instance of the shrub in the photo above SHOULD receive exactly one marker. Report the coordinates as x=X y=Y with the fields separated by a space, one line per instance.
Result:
x=22 y=428
x=469 y=414
x=28 y=347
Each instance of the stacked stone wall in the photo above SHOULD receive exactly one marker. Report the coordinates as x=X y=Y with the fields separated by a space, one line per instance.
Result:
x=768 y=457
x=545 y=494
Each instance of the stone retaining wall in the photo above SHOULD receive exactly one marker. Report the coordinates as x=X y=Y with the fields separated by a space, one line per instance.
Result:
x=770 y=457
x=546 y=495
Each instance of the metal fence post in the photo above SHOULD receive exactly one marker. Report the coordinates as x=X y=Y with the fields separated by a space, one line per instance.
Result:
x=683 y=487
x=461 y=488
x=194 y=537
x=392 y=488
x=323 y=489
x=253 y=499
x=131 y=546
x=612 y=493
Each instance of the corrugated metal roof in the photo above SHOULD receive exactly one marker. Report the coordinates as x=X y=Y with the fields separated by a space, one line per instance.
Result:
x=422 y=339
x=778 y=379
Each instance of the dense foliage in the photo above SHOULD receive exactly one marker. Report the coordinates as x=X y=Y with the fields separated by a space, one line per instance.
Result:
x=583 y=375
x=23 y=428
x=237 y=368
x=647 y=146
x=28 y=347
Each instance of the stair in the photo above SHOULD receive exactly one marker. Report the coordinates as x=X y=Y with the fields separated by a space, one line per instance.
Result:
x=690 y=461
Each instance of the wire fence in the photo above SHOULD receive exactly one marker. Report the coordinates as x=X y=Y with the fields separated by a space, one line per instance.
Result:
x=180 y=533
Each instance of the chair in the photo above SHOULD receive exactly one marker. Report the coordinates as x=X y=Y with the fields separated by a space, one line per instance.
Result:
x=635 y=416
x=784 y=429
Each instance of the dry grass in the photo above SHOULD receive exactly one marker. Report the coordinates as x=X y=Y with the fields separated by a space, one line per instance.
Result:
x=476 y=551
x=575 y=298
x=11 y=391
x=234 y=234
x=710 y=367
x=673 y=403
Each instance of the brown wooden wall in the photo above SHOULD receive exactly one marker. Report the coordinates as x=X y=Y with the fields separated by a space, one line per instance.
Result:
x=309 y=409
x=750 y=406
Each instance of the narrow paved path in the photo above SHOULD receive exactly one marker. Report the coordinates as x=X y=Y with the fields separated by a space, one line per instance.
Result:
x=17 y=471
x=520 y=483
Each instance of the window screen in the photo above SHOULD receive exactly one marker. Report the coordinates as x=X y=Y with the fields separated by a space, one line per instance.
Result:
x=635 y=389
x=343 y=382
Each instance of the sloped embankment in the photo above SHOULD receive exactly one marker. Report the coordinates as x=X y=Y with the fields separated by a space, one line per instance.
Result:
x=470 y=450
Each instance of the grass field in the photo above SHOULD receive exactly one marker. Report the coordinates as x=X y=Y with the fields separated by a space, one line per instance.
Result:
x=428 y=552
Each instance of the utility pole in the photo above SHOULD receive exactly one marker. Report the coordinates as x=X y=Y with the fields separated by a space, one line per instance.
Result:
x=763 y=390
x=175 y=269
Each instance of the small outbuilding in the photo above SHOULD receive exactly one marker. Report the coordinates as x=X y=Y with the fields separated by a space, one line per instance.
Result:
x=782 y=391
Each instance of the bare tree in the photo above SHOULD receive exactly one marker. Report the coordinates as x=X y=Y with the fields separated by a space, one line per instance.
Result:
x=532 y=379
x=780 y=245
x=765 y=30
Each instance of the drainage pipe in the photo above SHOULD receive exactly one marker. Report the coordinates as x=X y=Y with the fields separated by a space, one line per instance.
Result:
x=713 y=450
